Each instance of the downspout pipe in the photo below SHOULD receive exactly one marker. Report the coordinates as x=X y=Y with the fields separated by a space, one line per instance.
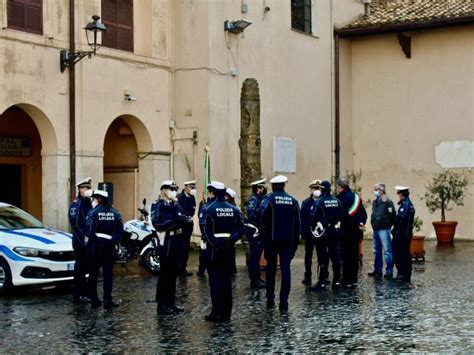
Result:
x=337 y=111
x=72 y=103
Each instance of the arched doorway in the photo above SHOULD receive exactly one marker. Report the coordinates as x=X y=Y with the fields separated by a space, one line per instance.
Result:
x=20 y=161
x=121 y=166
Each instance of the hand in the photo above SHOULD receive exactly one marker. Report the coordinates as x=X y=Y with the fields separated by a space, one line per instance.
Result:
x=362 y=227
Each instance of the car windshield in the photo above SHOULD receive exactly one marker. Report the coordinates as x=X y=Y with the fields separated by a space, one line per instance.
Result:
x=14 y=218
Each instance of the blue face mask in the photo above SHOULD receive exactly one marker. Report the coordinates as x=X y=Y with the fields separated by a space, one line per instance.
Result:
x=377 y=193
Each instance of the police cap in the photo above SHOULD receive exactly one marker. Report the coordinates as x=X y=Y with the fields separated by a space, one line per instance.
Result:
x=279 y=179
x=87 y=182
x=168 y=184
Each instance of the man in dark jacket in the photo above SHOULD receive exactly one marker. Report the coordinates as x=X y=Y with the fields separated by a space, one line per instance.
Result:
x=353 y=231
x=402 y=233
x=169 y=220
x=382 y=219
x=104 y=228
x=279 y=216
x=307 y=206
x=78 y=211
x=187 y=202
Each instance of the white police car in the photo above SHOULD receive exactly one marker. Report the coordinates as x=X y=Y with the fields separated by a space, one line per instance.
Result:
x=31 y=253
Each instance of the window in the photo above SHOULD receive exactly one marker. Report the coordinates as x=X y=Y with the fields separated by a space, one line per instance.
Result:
x=301 y=15
x=117 y=16
x=25 y=15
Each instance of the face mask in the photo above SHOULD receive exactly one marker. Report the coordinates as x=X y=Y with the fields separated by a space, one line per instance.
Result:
x=171 y=194
x=95 y=203
x=192 y=192
x=377 y=193
x=317 y=193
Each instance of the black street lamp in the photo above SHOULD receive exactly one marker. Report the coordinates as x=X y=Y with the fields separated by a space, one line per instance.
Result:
x=94 y=31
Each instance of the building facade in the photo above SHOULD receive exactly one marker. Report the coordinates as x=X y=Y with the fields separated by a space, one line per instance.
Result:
x=183 y=74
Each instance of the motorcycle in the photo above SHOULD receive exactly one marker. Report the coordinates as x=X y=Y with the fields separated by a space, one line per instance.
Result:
x=139 y=240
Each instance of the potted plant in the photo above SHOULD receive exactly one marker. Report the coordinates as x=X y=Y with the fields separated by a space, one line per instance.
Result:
x=417 y=245
x=446 y=188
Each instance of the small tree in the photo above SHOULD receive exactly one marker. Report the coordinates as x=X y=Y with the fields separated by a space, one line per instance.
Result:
x=446 y=188
x=417 y=224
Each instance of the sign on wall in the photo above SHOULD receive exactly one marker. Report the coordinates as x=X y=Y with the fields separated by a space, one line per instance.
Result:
x=455 y=154
x=14 y=147
x=284 y=155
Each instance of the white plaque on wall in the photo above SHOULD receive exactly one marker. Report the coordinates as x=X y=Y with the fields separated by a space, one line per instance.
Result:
x=455 y=154
x=284 y=155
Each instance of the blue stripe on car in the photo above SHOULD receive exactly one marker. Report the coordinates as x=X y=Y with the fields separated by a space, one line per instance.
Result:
x=27 y=235
x=11 y=255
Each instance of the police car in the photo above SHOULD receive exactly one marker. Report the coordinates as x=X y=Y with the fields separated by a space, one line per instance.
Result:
x=31 y=253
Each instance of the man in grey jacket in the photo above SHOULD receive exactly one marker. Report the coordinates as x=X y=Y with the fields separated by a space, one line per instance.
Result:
x=382 y=219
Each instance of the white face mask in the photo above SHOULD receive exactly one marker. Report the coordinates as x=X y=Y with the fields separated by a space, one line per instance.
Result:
x=377 y=193
x=171 y=194
x=95 y=203
x=317 y=193
x=192 y=192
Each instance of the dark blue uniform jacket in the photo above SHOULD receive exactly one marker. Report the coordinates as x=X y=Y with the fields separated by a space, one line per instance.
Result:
x=279 y=216
x=187 y=203
x=105 y=220
x=403 y=228
x=329 y=211
x=168 y=217
x=307 y=208
x=77 y=219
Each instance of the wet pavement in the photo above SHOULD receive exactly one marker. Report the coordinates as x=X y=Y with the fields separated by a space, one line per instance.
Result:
x=434 y=313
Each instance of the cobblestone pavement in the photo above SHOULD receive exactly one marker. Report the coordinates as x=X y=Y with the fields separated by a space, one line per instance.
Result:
x=434 y=313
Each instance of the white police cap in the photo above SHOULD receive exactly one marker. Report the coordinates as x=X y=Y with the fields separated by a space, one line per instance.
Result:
x=167 y=183
x=401 y=188
x=191 y=182
x=315 y=183
x=279 y=179
x=217 y=185
x=260 y=182
x=97 y=193
x=230 y=192
x=87 y=182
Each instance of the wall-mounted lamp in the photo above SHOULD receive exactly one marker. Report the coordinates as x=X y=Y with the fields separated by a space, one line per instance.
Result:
x=236 y=26
x=94 y=31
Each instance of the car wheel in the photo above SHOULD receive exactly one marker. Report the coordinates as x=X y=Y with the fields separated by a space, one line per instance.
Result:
x=5 y=277
x=151 y=261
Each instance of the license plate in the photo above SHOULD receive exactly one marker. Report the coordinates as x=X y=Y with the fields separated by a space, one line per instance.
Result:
x=70 y=267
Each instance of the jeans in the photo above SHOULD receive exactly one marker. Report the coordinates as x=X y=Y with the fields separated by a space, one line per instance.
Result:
x=383 y=244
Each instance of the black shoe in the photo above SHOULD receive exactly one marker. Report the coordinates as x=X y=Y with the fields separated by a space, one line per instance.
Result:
x=257 y=284
x=283 y=308
x=402 y=278
x=95 y=302
x=306 y=281
x=111 y=304
x=213 y=318
x=388 y=276
x=82 y=299
x=336 y=285
x=270 y=304
x=162 y=309
x=375 y=274
x=186 y=273
x=319 y=286
x=177 y=309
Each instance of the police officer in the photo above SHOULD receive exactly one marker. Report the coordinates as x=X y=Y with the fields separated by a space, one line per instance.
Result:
x=223 y=227
x=104 y=228
x=169 y=221
x=327 y=217
x=203 y=251
x=353 y=231
x=187 y=201
x=306 y=234
x=252 y=234
x=402 y=234
x=280 y=227
x=78 y=211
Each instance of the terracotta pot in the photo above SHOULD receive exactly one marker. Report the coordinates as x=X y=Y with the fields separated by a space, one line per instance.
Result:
x=417 y=247
x=445 y=231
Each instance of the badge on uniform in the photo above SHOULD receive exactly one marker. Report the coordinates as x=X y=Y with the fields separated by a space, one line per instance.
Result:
x=401 y=209
x=72 y=211
x=390 y=210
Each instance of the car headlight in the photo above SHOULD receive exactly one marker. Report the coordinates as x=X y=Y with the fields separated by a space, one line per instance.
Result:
x=30 y=251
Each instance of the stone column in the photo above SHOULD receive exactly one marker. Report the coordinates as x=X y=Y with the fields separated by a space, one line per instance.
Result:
x=249 y=143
